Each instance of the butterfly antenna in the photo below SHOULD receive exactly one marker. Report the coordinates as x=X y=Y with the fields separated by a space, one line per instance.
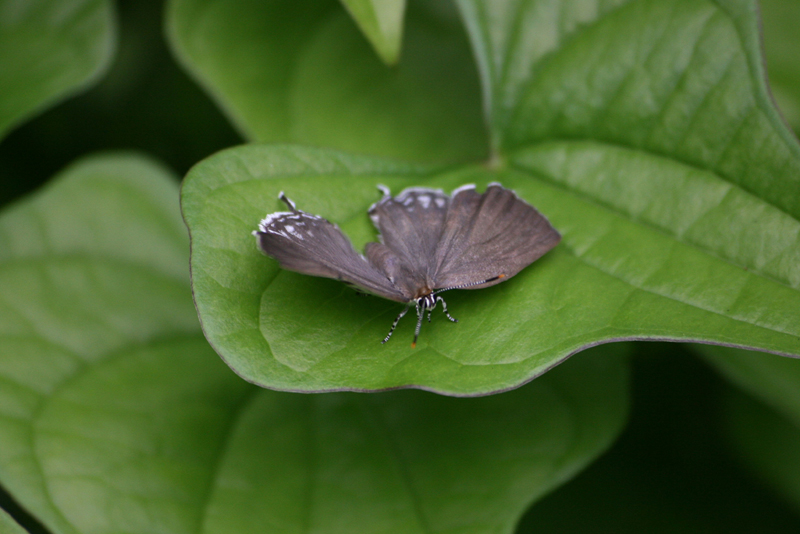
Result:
x=394 y=324
x=462 y=286
x=292 y=205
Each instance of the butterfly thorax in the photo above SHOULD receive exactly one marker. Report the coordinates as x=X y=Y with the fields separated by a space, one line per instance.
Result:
x=422 y=292
x=426 y=301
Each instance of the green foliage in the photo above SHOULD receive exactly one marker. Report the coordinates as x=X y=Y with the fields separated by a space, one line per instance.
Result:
x=8 y=525
x=382 y=23
x=766 y=433
x=108 y=388
x=48 y=50
x=644 y=130
x=299 y=71
x=636 y=262
x=669 y=232
x=781 y=43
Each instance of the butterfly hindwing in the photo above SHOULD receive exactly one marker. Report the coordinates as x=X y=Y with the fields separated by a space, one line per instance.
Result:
x=489 y=235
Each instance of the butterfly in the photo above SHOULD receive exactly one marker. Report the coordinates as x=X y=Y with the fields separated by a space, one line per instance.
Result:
x=430 y=242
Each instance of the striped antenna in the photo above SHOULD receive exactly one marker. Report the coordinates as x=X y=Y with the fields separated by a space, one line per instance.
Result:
x=462 y=286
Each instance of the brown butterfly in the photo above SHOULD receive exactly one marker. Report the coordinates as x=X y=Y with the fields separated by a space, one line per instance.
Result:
x=430 y=242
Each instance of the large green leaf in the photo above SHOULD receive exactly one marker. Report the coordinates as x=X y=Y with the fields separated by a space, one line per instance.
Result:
x=116 y=415
x=50 y=49
x=382 y=23
x=411 y=461
x=637 y=262
x=300 y=71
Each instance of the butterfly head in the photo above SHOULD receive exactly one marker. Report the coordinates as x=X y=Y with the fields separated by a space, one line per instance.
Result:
x=427 y=299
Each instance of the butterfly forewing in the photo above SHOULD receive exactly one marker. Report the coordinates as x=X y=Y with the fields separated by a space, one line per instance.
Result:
x=311 y=245
x=411 y=226
x=489 y=235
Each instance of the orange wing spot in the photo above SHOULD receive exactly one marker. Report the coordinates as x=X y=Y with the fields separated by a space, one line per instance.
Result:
x=501 y=276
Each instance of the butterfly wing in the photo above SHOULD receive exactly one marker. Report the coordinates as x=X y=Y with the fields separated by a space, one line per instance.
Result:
x=311 y=245
x=411 y=225
x=488 y=235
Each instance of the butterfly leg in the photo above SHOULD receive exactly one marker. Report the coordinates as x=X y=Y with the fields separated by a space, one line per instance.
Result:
x=444 y=308
x=420 y=315
x=430 y=304
x=394 y=324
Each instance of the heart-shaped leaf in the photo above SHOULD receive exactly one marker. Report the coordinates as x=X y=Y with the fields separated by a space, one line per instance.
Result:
x=50 y=49
x=116 y=415
x=382 y=23
x=300 y=71
x=636 y=262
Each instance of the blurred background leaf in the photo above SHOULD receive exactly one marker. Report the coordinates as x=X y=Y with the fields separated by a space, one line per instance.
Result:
x=144 y=102
x=382 y=24
x=8 y=525
x=673 y=468
x=301 y=72
x=781 y=47
x=764 y=426
x=50 y=50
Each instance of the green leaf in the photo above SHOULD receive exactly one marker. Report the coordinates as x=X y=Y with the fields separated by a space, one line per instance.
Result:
x=49 y=50
x=781 y=43
x=674 y=435
x=636 y=262
x=411 y=461
x=8 y=525
x=766 y=433
x=682 y=80
x=774 y=381
x=767 y=441
x=300 y=71
x=90 y=269
x=116 y=415
x=382 y=23
x=121 y=207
